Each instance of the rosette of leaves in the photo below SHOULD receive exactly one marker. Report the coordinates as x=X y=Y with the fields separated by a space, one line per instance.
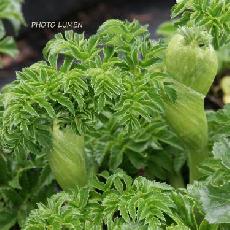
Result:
x=119 y=202
x=10 y=10
x=90 y=106
x=104 y=92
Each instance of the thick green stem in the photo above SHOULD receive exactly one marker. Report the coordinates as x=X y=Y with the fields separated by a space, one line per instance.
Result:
x=188 y=119
x=67 y=159
x=195 y=157
x=192 y=62
x=176 y=180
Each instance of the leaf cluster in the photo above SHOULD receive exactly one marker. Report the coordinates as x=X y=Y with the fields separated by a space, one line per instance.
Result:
x=117 y=202
x=218 y=123
x=22 y=185
x=108 y=88
x=101 y=87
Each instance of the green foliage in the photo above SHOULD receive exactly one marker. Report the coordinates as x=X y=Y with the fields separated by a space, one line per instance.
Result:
x=22 y=185
x=99 y=91
x=9 y=10
x=110 y=101
x=213 y=193
x=118 y=203
x=24 y=181
x=218 y=123
x=213 y=15
x=215 y=202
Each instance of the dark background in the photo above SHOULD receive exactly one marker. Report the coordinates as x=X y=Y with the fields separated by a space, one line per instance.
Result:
x=90 y=13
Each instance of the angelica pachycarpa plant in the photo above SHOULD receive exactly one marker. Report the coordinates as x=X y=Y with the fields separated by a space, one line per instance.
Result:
x=97 y=109
x=109 y=93
x=116 y=99
x=119 y=202
x=100 y=93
